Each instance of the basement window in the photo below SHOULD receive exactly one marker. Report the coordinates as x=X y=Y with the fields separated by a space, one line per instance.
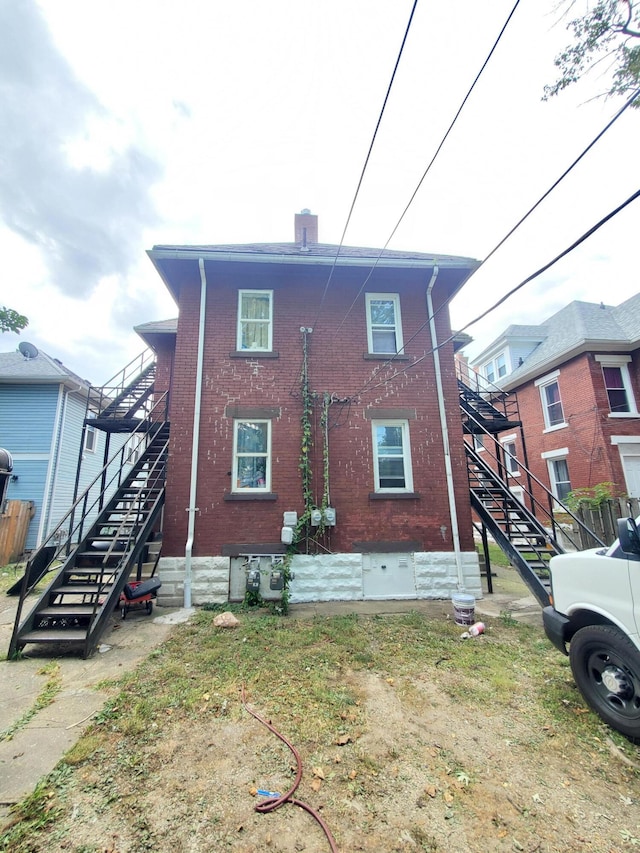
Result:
x=251 y=456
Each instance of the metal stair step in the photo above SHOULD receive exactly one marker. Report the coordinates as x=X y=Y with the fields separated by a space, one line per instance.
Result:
x=66 y=635
x=67 y=610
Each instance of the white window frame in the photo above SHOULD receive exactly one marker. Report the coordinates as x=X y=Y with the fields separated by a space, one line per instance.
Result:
x=406 y=456
x=542 y=384
x=397 y=326
x=510 y=462
x=235 y=487
x=268 y=322
x=622 y=362
x=90 y=437
x=552 y=456
x=478 y=442
x=495 y=368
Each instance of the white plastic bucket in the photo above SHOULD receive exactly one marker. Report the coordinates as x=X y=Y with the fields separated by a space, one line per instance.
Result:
x=464 y=608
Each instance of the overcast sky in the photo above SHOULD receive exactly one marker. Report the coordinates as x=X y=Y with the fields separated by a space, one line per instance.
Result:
x=126 y=124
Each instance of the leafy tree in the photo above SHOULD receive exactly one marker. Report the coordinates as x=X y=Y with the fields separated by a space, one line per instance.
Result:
x=11 y=321
x=608 y=32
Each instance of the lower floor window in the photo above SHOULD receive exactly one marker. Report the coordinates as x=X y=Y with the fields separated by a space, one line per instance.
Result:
x=252 y=456
x=392 y=456
x=560 y=482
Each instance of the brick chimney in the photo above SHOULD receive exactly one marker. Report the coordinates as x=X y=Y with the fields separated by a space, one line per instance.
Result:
x=306 y=228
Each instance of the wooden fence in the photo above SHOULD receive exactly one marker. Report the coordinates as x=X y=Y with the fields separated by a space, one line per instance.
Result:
x=603 y=520
x=14 y=524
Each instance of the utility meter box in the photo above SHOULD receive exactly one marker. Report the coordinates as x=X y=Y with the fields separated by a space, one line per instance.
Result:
x=286 y=535
x=316 y=517
x=253 y=580
x=330 y=516
x=290 y=519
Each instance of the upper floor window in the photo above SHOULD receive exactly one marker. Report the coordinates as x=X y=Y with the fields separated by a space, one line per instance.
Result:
x=551 y=402
x=496 y=368
x=392 y=456
x=255 y=320
x=384 y=326
x=252 y=456
x=90 y=437
x=617 y=383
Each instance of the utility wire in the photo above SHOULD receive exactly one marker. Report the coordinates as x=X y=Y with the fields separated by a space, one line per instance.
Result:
x=428 y=169
x=510 y=293
x=509 y=233
x=366 y=162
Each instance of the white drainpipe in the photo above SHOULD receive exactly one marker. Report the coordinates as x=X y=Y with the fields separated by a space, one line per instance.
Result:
x=192 y=509
x=453 y=513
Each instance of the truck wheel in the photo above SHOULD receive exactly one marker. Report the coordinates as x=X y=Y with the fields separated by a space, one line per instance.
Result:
x=606 y=667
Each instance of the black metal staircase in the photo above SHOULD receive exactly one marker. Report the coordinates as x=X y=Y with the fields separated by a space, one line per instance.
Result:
x=105 y=535
x=526 y=530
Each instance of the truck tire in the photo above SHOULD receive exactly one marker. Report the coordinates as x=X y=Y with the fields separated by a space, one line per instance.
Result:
x=606 y=668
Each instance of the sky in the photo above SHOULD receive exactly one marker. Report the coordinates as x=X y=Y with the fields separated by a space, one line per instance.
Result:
x=129 y=124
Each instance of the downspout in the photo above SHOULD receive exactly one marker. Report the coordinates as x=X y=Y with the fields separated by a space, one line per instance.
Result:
x=192 y=509
x=453 y=513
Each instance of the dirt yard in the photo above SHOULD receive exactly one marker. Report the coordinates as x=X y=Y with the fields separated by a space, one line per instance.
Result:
x=415 y=768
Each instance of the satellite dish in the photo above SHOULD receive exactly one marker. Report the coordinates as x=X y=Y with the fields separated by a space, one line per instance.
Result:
x=28 y=350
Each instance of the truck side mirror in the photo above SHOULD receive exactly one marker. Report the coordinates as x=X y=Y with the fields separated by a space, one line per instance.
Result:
x=628 y=536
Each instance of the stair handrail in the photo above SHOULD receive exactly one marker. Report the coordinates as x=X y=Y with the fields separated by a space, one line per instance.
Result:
x=27 y=587
x=65 y=544
x=159 y=464
x=103 y=396
x=476 y=383
x=552 y=499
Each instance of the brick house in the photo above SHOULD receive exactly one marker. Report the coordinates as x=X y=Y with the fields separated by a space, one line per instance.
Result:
x=577 y=382
x=306 y=402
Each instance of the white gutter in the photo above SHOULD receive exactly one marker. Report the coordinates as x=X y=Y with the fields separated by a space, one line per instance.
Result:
x=453 y=513
x=192 y=509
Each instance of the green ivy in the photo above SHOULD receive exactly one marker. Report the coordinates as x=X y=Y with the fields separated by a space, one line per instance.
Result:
x=592 y=497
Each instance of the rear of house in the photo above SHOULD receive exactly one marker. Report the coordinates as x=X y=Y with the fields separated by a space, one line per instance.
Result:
x=313 y=408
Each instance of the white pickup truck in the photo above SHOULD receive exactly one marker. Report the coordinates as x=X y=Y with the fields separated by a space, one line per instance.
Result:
x=595 y=608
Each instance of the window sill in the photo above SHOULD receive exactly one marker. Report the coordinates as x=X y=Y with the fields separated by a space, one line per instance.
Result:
x=251 y=496
x=385 y=356
x=254 y=353
x=555 y=427
x=394 y=496
x=624 y=414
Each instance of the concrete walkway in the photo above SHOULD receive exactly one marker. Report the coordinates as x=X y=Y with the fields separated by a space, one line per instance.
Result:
x=36 y=748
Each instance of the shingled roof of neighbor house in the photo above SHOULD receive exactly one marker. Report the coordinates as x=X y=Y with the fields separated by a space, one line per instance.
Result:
x=578 y=327
x=41 y=369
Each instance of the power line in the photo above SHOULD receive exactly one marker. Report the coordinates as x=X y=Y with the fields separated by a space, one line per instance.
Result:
x=509 y=233
x=428 y=169
x=511 y=292
x=366 y=162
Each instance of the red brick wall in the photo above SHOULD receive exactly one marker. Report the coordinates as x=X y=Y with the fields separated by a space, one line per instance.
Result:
x=336 y=366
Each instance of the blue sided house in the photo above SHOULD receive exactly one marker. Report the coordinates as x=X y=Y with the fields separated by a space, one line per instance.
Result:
x=43 y=406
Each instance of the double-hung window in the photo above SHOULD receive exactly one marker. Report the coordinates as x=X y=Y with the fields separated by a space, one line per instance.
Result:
x=251 y=456
x=392 y=456
x=551 y=401
x=496 y=368
x=384 y=326
x=558 y=472
x=255 y=320
x=617 y=382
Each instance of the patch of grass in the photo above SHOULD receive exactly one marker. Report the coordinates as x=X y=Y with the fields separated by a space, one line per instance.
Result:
x=45 y=697
x=10 y=574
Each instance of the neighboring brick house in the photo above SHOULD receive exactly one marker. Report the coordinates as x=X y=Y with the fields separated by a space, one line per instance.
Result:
x=302 y=412
x=576 y=377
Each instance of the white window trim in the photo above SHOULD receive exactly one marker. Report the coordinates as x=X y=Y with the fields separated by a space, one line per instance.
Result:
x=511 y=439
x=541 y=384
x=551 y=456
x=621 y=361
x=406 y=456
x=251 y=292
x=234 y=470
x=90 y=431
x=493 y=362
x=392 y=297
